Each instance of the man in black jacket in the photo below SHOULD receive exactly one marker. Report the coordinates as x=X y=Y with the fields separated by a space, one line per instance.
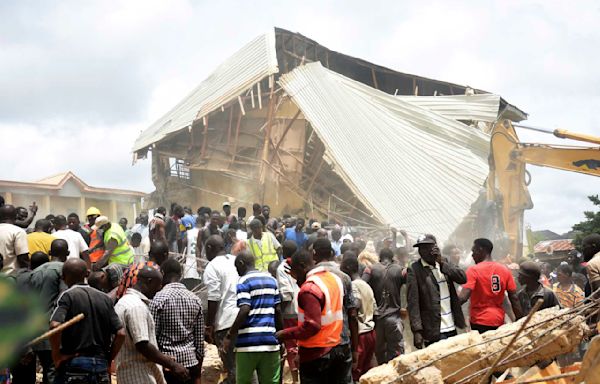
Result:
x=433 y=305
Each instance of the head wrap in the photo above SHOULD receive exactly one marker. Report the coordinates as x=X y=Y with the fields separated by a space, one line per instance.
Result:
x=114 y=272
x=130 y=276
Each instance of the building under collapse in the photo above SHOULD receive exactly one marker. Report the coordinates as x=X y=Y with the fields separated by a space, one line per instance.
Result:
x=314 y=132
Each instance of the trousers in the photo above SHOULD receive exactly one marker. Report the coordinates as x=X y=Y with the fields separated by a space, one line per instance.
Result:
x=83 y=370
x=332 y=368
x=389 y=339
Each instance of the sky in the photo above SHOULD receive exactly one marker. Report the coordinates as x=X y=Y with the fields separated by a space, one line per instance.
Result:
x=79 y=80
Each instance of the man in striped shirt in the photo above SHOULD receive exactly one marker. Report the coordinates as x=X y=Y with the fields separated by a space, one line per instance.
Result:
x=253 y=330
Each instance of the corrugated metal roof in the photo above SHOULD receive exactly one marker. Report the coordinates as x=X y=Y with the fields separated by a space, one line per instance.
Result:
x=480 y=107
x=254 y=62
x=411 y=167
x=554 y=246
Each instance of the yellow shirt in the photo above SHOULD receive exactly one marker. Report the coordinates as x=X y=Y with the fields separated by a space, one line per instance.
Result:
x=39 y=241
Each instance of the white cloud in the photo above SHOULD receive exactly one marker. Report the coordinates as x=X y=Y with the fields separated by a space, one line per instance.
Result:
x=79 y=73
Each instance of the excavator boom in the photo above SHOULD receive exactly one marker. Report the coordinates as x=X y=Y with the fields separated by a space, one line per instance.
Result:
x=507 y=184
x=582 y=160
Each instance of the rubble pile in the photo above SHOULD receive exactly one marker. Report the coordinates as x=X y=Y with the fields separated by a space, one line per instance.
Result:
x=212 y=367
x=469 y=353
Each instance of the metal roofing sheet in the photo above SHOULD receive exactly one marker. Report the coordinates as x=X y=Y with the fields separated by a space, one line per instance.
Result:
x=554 y=245
x=254 y=62
x=411 y=167
x=480 y=107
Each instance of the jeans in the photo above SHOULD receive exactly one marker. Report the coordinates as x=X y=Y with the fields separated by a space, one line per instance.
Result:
x=332 y=368
x=83 y=370
x=389 y=338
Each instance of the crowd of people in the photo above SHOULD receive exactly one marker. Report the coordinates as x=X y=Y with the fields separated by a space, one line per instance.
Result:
x=317 y=296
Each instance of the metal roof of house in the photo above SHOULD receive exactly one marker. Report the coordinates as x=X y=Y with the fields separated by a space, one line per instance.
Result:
x=479 y=107
x=413 y=168
x=554 y=246
x=255 y=61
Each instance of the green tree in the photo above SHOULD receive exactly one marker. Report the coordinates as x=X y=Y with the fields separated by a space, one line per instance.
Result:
x=590 y=225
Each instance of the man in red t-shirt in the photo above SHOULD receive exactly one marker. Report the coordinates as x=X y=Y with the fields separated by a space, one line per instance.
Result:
x=486 y=283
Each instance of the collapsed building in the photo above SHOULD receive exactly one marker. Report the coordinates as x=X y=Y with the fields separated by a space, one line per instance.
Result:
x=317 y=133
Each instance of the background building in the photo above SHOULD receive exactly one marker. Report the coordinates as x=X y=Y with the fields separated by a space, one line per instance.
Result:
x=66 y=193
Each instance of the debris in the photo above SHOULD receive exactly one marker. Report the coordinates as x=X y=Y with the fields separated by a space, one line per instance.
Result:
x=465 y=358
x=212 y=367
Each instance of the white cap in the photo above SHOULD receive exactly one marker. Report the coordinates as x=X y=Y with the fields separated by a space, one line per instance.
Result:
x=100 y=221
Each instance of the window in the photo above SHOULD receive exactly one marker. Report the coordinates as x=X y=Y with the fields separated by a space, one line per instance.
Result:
x=179 y=169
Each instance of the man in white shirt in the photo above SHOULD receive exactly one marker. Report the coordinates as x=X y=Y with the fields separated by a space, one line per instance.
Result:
x=190 y=270
x=336 y=241
x=220 y=277
x=77 y=245
x=140 y=248
x=13 y=241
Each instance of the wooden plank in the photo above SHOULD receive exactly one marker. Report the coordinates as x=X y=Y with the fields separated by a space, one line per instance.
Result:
x=314 y=178
x=259 y=96
x=241 y=105
x=54 y=331
x=237 y=136
x=285 y=132
x=374 y=78
x=205 y=138
x=265 y=150
x=229 y=129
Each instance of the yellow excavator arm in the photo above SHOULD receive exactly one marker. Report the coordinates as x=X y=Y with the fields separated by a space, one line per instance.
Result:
x=507 y=181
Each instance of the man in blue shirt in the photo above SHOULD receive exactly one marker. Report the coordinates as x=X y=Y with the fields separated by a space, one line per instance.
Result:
x=253 y=330
x=296 y=234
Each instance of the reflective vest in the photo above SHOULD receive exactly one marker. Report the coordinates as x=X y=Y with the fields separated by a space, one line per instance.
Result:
x=96 y=242
x=265 y=253
x=122 y=254
x=332 y=317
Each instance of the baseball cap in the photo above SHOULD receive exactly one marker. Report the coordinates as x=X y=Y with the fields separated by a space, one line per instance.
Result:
x=227 y=204
x=530 y=269
x=100 y=221
x=316 y=225
x=425 y=239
